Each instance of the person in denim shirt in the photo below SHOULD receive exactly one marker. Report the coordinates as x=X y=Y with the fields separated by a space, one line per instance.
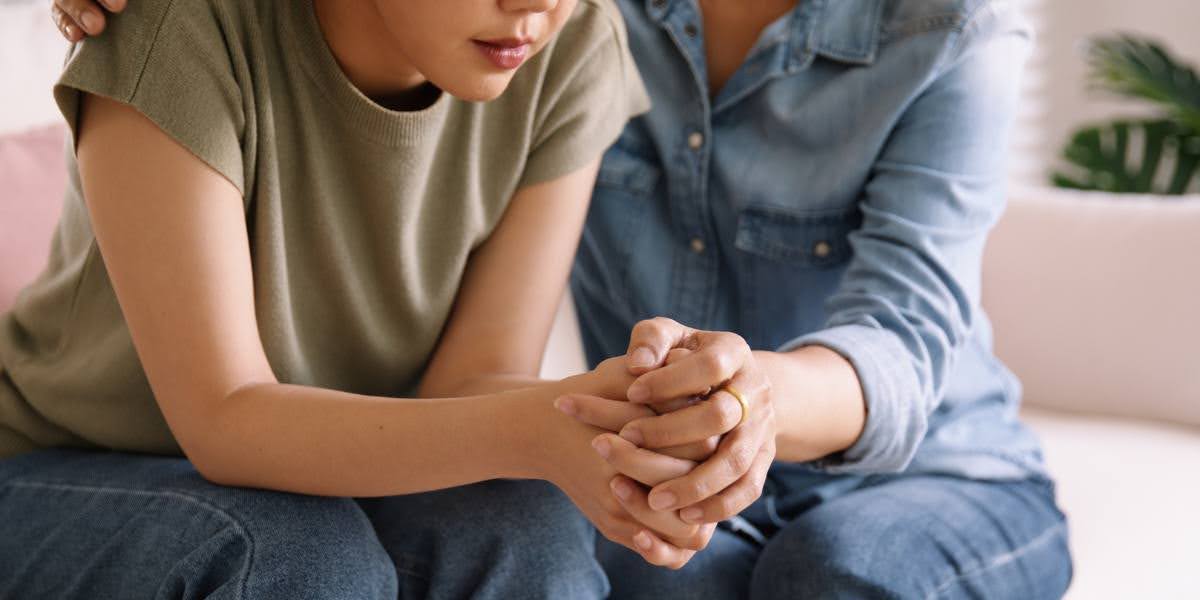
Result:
x=833 y=190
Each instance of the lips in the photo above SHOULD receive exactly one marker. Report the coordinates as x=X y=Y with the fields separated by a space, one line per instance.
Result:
x=507 y=53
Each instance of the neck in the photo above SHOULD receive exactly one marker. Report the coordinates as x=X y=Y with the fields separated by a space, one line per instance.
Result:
x=367 y=54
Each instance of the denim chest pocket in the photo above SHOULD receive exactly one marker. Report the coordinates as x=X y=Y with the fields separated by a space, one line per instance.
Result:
x=816 y=239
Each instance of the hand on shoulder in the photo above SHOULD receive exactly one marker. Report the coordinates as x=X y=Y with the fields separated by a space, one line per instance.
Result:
x=77 y=19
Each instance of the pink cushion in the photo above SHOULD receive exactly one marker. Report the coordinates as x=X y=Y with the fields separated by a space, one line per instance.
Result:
x=1096 y=302
x=32 y=181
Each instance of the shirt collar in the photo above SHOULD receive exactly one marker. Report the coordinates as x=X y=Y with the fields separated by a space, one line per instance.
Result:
x=842 y=30
x=848 y=30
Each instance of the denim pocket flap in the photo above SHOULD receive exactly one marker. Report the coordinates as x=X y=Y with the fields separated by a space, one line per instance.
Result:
x=813 y=238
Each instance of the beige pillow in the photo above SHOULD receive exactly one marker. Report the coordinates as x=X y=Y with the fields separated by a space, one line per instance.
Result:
x=1095 y=300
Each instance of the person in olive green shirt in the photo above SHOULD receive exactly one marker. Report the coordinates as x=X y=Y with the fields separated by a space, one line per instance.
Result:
x=315 y=247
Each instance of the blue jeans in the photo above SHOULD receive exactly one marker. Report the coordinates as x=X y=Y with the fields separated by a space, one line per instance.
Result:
x=79 y=524
x=893 y=536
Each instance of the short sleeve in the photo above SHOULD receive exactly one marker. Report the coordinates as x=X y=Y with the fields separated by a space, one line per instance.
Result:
x=590 y=91
x=170 y=61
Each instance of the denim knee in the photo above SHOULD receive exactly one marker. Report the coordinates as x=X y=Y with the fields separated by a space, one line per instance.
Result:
x=822 y=559
x=295 y=546
x=921 y=537
x=495 y=539
x=98 y=524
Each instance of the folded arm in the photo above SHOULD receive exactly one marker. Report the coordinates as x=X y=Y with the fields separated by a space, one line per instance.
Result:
x=173 y=238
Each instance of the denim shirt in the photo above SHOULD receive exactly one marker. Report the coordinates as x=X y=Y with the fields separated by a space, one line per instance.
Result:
x=838 y=191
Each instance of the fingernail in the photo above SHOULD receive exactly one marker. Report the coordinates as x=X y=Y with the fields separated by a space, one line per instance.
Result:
x=565 y=405
x=661 y=500
x=106 y=4
x=690 y=514
x=621 y=489
x=602 y=446
x=90 y=21
x=642 y=540
x=632 y=435
x=641 y=357
x=638 y=392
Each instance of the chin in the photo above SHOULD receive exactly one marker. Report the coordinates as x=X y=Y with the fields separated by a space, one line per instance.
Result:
x=480 y=88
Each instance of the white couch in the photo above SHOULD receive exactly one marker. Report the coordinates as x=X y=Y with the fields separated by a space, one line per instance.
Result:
x=1096 y=305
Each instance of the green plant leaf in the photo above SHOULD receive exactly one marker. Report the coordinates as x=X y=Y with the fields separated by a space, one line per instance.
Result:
x=1146 y=157
x=1139 y=68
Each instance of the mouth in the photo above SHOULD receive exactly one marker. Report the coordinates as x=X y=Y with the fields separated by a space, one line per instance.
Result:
x=505 y=53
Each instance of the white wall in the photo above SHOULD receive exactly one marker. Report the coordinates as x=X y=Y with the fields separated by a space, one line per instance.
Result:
x=1058 y=99
x=31 y=54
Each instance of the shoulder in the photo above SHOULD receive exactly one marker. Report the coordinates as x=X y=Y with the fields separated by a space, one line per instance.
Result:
x=593 y=26
x=172 y=61
x=903 y=18
x=578 y=93
x=145 y=18
x=952 y=27
x=146 y=26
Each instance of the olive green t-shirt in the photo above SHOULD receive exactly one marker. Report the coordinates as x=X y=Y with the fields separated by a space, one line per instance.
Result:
x=360 y=219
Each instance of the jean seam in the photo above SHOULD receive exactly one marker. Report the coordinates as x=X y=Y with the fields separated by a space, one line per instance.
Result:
x=411 y=565
x=176 y=494
x=1000 y=560
x=413 y=573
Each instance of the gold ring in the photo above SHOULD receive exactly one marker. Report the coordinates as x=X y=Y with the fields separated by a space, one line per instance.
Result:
x=732 y=391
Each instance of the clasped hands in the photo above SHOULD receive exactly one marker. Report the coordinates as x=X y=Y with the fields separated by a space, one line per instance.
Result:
x=680 y=457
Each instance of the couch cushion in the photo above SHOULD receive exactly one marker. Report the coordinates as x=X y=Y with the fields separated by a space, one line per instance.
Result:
x=32 y=182
x=1096 y=302
x=1131 y=491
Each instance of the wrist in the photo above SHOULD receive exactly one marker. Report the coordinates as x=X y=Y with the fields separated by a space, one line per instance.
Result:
x=529 y=429
x=819 y=404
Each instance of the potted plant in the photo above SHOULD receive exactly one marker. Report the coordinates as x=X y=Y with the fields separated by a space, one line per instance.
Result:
x=1159 y=155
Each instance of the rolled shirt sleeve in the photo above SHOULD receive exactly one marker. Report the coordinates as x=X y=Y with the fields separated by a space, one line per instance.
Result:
x=910 y=295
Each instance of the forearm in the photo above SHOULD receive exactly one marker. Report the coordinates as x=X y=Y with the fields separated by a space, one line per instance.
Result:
x=491 y=383
x=819 y=406
x=323 y=442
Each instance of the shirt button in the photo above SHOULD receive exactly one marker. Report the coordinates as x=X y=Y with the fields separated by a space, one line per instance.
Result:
x=691 y=30
x=696 y=140
x=822 y=249
x=697 y=245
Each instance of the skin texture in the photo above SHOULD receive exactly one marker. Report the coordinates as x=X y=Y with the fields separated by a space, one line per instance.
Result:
x=655 y=483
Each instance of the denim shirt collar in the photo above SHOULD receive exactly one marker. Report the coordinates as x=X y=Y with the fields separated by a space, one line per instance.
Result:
x=842 y=30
